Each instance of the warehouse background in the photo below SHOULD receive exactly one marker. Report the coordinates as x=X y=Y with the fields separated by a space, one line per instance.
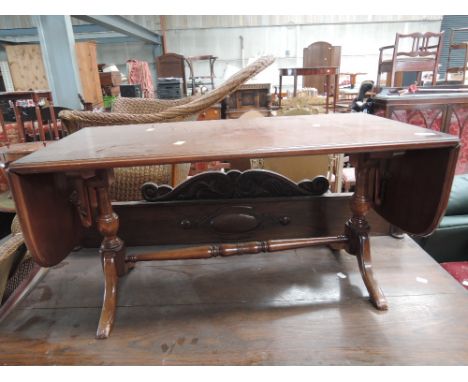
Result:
x=236 y=40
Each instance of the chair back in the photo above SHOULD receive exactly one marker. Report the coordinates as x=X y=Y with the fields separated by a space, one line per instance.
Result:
x=418 y=45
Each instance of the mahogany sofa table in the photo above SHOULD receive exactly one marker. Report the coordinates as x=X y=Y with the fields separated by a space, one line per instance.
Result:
x=403 y=172
x=327 y=71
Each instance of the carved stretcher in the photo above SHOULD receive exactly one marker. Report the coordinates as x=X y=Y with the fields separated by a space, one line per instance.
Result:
x=403 y=172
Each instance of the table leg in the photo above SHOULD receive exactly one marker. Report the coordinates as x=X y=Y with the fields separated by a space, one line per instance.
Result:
x=327 y=98
x=113 y=260
x=295 y=85
x=336 y=92
x=280 y=87
x=357 y=230
x=352 y=80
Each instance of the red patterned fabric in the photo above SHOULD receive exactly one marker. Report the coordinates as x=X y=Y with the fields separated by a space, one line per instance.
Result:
x=459 y=271
x=432 y=119
x=13 y=134
x=13 y=137
x=139 y=73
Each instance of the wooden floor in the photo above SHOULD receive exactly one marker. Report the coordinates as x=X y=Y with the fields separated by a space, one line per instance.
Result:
x=303 y=307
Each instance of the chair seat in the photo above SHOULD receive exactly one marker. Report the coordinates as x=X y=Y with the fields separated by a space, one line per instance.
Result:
x=409 y=64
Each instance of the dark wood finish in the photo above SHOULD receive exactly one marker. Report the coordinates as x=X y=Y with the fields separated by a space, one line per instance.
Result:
x=235 y=184
x=112 y=252
x=357 y=228
x=328 y=71
x=48 y=219
x=218 y=221
x=252 y=247
x=36 y=96
x=373 y=142
x=249 y=97
x=422 y=56
x=320 y=54
x=110 y=79
x=172 y=65
x=286 y=308
x=137 y=145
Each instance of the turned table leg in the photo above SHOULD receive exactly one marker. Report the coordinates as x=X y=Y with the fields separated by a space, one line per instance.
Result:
x=357 y=230
x=113 y=260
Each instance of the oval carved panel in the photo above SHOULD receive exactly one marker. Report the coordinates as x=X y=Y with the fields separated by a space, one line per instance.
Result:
x=234 y=223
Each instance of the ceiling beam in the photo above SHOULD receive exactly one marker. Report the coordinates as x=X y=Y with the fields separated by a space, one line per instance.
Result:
x=122 y=25
x=100 y=38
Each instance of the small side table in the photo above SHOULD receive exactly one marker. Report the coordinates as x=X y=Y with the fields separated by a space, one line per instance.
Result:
x=352 y=78
x=327 y=71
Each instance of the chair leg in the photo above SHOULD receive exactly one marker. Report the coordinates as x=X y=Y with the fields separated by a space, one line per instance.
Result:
x=378 y=80
x=434 y=77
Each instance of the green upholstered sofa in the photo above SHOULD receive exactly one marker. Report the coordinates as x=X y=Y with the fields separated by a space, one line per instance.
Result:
x=449 y=242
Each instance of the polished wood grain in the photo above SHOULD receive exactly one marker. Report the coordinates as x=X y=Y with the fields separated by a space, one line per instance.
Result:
x=48 y=220
x=357 y=230
x=251 y=247
x=282 y=309
x=194 y=222
x=182 y=142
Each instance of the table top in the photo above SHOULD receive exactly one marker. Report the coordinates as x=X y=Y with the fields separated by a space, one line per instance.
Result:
x=22 y=94
x=202 y=57
x=304 y=71
x=446 y=94
x=179 y=142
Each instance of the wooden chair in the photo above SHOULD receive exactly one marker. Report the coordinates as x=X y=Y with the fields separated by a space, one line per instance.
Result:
x=414 y=52
x=457 y=61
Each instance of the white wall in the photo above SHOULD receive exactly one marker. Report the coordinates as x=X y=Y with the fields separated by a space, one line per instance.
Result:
x=359 y=37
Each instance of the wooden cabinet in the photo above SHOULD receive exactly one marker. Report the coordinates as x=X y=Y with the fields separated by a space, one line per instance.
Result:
x=172 y=65
x=89 y=75
x=28 y=71
x=249 y=97
x=213 y=113
x=319 y=54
